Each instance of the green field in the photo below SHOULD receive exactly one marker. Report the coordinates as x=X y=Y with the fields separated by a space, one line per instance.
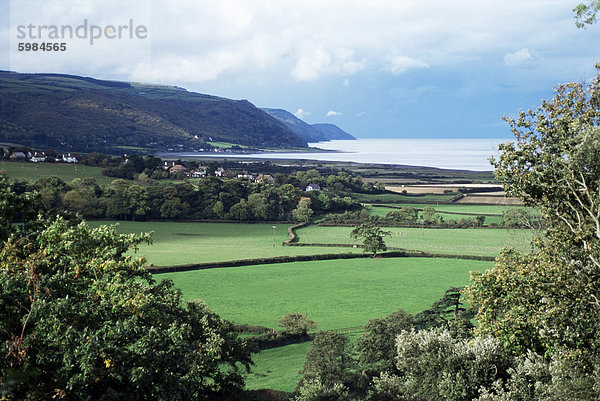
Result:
x=334 y=293
x=457 y=241
x=182 y=243
x=382 y=211
x=460 y=207
x=67 y=172
x=277 y=368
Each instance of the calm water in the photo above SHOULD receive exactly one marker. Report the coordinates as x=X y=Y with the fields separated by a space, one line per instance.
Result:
x=467 y=154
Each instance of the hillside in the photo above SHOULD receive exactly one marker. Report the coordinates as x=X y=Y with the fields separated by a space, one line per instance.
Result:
x=332 y=132
x=308 y=132
x=85 y=114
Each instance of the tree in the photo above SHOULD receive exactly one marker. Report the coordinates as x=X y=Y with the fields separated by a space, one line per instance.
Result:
x=80 y=319
x=549 y=301
x=303 y=212
x=585 y=14
x=433 y=365
x=377 y=346
x=372 y=237
x=328 y=359
x=296 y=323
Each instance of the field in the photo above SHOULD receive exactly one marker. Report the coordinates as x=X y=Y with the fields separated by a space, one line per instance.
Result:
x=67 y=172
x=465 y=241
x=334 y=293
x=182 y=243
x=382 y=211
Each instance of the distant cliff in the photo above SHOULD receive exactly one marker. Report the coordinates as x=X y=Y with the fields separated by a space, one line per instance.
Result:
x=308 y=132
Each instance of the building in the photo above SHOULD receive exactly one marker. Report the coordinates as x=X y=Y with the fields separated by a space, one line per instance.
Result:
x=265 y=178
x=178 y=168
x=313 y=187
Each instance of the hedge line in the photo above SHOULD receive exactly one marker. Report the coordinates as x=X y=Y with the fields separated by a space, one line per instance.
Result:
x=307 y=258
x=252 y=262
x=292 y=233
x=441 y=211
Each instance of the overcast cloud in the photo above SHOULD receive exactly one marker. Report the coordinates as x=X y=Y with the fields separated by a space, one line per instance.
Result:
x=382 y=68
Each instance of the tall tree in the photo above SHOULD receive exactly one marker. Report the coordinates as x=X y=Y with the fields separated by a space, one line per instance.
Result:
x=372 y=237
x=550 y=300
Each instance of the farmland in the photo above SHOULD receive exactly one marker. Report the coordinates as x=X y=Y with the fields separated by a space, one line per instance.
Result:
x=33 y=171
x=481 y=242
x=178 y=243
x=335 y=294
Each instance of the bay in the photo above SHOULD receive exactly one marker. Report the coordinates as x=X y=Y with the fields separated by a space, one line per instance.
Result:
x=462 y=154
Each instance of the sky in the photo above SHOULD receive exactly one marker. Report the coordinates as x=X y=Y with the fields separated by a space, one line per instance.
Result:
x=376 y=68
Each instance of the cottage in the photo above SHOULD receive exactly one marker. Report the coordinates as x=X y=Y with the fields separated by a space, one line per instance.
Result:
x=69 y=159
x=266 y=178
x=178 y=168
x=38 y=157
x=245 y=176
x=199 y=172
x=18 y=155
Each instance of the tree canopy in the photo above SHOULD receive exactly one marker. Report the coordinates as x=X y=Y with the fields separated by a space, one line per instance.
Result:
x=82 y=319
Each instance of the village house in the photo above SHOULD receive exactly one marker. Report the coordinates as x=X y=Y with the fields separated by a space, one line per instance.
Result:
x=313 y=187
x=220 y=172
x=200 y=172
x=178 y=168
x=68 y=159
x=38 y=157
x=245 y=176
x=168 y=164
x=266 y=178
x=18 y=155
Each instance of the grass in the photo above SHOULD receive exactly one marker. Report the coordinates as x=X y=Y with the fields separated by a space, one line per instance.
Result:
x=178 y=243
x=461 y=208
x=382 y=211
x=277 y=368
x=67 y=172
x=334 y=293
x=225 y=145
x=457 y=241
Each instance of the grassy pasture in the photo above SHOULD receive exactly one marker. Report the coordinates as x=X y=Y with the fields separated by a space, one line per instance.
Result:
x=334 y=293
x=461 y=208
x=277 y=368
x=382 y=211
x=67 y=172
x=178 y=243
x=337 y=293
x=463 y=241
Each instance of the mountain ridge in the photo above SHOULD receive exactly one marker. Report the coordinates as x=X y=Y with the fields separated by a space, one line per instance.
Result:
x=70 y=112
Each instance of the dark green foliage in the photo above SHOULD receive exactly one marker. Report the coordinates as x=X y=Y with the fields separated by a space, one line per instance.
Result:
x=80 y=320
x=403 y=215
x=328 y=359
x=450 y=312
x=372 y=237
x=377 y=346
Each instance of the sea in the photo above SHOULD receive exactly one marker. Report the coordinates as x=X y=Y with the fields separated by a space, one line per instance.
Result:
x=461 y=154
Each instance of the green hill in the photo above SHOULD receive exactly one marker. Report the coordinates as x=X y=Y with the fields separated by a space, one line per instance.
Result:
x=70 y=112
